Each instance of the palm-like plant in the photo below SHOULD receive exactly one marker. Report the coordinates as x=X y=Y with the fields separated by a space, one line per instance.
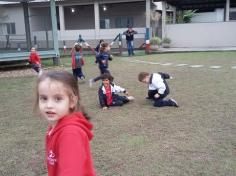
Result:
x=188 y=15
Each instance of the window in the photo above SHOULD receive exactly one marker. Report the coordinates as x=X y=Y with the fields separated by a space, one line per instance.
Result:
x=232 y=15
x=123 y=22
x=105 y=24
x=7 y=28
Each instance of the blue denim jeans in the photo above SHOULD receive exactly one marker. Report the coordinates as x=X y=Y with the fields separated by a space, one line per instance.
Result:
x=130 y=47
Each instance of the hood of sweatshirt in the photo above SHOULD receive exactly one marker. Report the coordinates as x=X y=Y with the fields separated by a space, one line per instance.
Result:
x=74 y=119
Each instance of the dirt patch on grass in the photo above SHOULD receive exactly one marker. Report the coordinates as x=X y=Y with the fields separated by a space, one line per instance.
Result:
x=23 y=71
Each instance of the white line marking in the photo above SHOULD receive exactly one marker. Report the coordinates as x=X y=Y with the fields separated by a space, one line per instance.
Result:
x=215 y=66
x=233 y=67
x=154 y=63
x=196 y=66
x=166 y=64
x=180 y=65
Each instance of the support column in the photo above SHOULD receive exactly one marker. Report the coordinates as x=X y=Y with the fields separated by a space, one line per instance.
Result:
x=54 y=31
x=174 y=15
x=163 y=30
x=148 y=13
x=27 y=24
x=62 y=18
x=97 y=19
x=227 y=7
x=148 y=24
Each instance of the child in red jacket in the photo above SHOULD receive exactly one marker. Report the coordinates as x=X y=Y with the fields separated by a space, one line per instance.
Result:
x=69 y=132
x=77 y=61
x=35 y=61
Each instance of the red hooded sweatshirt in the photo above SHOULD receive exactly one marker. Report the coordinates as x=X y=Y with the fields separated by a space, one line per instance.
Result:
x=68 y=149
x=34 y=58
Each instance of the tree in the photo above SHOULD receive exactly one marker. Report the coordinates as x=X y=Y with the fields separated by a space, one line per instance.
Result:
x=155 y=17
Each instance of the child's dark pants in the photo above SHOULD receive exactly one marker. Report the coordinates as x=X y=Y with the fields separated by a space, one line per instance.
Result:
x=78 y=72
x=119 y=100
x=36 y=67
x=160 y=102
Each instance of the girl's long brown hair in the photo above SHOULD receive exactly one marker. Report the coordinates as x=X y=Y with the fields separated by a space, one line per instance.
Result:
x=70 y=83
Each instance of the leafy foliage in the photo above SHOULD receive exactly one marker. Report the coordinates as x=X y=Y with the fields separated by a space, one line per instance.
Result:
x=166 y=40
x=188 y=15
x=155 y=40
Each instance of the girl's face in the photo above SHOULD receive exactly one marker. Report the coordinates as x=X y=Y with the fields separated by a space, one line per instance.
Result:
x=54 y=100
x=33 y=50
x=107 y=48
x=105 y=82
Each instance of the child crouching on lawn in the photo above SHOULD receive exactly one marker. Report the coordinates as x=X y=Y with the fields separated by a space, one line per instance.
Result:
x=108 y=93
x=158 y=88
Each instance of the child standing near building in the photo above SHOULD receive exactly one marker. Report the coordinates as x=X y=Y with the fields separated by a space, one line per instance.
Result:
x=35 y=61
x=102 y=61
x=158 y=88
x=77 y=61
x=108 y=93
x=129 y=35
x=69 y=131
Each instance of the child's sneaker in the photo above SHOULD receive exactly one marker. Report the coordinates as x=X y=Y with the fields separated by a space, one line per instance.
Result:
x=131 y=98
x=82 y=77
x=90 y=82
x=40 y=72
x=174 y=103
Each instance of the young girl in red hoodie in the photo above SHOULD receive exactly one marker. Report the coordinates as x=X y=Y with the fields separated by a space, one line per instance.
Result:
x=69 y=131
x=35 y=61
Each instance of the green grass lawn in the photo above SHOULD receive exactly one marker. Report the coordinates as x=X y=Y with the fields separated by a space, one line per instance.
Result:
x=198 y=138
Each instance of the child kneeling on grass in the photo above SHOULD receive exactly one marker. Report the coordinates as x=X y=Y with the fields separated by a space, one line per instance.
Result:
x=158 y=88
x=108 y=93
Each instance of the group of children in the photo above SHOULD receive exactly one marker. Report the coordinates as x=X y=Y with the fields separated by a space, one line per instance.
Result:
x=108 y=91
x=69 y=130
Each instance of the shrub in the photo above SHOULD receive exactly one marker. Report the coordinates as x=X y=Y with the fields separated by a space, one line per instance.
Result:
x=166 y=40
x=155 y=41
x=188 y=15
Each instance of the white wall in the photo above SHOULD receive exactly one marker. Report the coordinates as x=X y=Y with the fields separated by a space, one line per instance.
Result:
x=207 y=17
x=14 y=15
x=219 y=14
x=204 y=17
x=221 y=34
